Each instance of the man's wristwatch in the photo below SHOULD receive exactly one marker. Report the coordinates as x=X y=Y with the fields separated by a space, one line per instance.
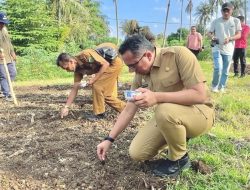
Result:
x=109 y=139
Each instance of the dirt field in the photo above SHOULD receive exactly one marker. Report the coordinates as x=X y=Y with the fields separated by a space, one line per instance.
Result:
x=38 y=150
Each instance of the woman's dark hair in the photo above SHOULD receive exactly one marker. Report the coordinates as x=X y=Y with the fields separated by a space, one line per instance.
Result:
x=63 y=57
x=242 y=18
x=137 y=44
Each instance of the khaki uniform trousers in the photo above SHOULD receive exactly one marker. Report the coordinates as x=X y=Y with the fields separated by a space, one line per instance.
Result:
x=171 y=125
x=104 y=90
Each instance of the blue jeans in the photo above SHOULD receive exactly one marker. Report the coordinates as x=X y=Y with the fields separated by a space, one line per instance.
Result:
x=3 y=78
x=221 y=69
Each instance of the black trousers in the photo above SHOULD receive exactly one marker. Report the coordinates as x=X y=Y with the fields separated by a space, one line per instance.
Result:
x=195 y=52
x=239 y=53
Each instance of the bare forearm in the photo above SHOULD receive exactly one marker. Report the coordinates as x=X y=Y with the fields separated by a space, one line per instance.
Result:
x=123 y=120
x=72 y=95
x=236 y=36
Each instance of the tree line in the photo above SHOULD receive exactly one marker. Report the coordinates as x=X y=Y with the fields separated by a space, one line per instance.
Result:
x=55 y=25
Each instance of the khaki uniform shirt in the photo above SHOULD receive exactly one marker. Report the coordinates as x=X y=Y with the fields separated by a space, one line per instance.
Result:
x=174 y=69
x=89 y=61
x=5 y=44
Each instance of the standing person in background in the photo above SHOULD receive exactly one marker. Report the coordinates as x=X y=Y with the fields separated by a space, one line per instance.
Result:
x=10 y=57
x=194 y=41
x=223 y=32
x=240 y=49
x=105 y=66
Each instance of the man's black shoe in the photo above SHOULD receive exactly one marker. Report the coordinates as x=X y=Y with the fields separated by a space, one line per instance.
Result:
x=236 y=74
x=153 y=164
x=95 y=117
x=8 y=98
x=242 y=75
x=170 y=168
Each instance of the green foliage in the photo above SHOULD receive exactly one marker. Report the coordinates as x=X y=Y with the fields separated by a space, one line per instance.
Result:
x=38 y=64
x=176 y=36
x=54 y=24
x=31 y=24
x=206 y=54
x=98 y=27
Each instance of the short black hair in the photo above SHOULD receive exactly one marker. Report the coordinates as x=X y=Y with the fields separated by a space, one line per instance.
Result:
x=137 y=44
x=242 y=18
x=63 y=57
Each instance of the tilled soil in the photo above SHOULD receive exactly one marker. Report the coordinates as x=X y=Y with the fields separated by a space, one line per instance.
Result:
x=39 y=150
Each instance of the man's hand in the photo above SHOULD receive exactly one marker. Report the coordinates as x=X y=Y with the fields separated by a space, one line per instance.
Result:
x=92 y=80
x=64 y=112
x=1 y=56
x=227 y=40
x=102 y=149
x=146 y=99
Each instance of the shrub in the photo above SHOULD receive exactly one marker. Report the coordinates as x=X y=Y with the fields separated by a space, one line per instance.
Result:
x=39 y=64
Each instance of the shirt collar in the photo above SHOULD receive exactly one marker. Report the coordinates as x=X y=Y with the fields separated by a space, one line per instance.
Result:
x=159 y=52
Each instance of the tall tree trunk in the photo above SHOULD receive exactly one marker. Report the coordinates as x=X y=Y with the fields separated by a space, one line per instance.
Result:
x=117 y=26
x=59 y=13
x=181 y=20
x=166 y=21
x=245 y=11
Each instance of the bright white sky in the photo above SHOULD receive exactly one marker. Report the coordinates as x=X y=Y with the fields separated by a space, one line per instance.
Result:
x=150 y=13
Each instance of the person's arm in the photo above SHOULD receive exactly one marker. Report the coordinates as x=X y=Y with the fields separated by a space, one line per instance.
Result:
x=72 y=95
x=187 y=41
x=103 y=68
x=13 y=55
x=237 y=34
x=122 y=122
x=234 y=37
x=194 y=91
x=211 y=31
x=189 y=96
x=200 y=42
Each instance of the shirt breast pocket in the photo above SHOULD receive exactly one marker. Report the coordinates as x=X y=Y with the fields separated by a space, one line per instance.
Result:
x=169 y=79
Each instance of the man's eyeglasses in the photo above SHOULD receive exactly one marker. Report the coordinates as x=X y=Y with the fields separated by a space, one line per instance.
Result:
x=133 y=66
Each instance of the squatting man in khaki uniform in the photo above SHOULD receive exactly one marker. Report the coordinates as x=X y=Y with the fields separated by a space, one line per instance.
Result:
x=104 y=82
x=177 y=89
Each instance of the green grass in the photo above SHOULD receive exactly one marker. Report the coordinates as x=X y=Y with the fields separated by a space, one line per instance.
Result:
x=227 y=151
